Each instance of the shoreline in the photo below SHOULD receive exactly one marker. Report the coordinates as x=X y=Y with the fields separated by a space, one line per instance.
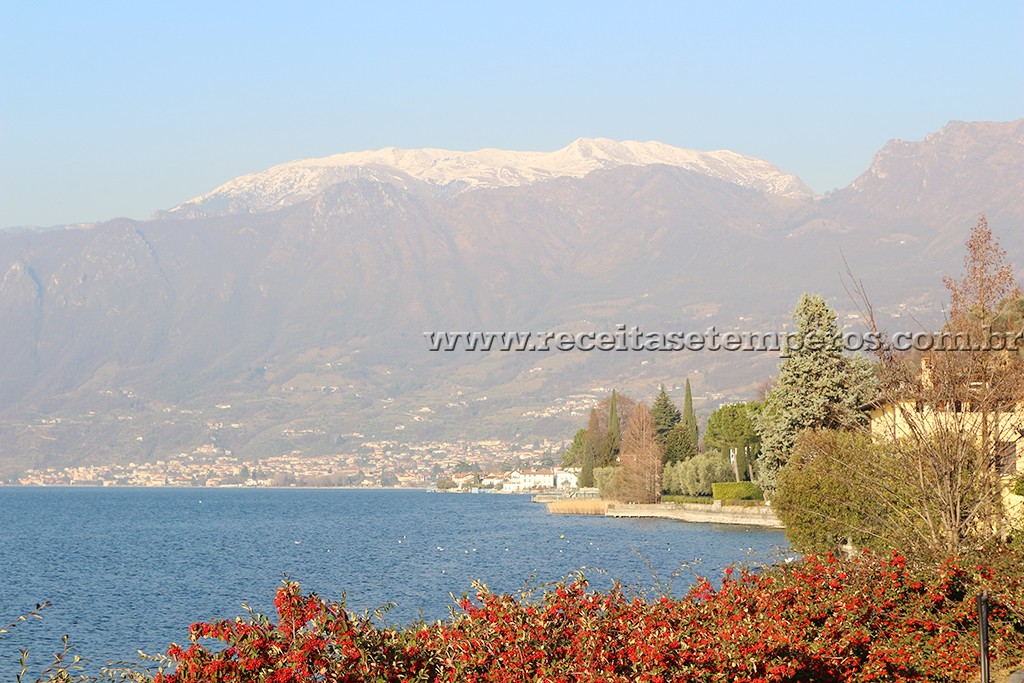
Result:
x=761 y=516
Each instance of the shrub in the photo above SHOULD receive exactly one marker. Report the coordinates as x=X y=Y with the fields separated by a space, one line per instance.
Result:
x=875 y=618
x=694 y=477
x=736 y=490
x=820 y=506
x=702 y=500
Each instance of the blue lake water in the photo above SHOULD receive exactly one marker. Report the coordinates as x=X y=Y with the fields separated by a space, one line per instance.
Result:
x=130 y=569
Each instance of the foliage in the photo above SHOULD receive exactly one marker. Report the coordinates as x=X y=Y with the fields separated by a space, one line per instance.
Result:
x=642 y=459
x=695 y=476
x=582 y=453
x=818 y=499
x=606 y=479
x=945 y=421
x=817 y=388
x=876 y=618
x=732 y=427
x=736 y=490
x=604 y=436
x=572 y=456
x=665 y=415
x=614 y=429
x=689 y=417
x=699 y=500
x=873 y=618
x=679 y=444
x=596 y=442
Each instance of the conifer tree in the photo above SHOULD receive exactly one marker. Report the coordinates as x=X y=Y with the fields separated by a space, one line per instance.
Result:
x=679 y=444
x=586 y=478
x=642 y=464
x=614 y=429
x=665 y=415
x=689 y=417
x=597 y=440
x=817 y=388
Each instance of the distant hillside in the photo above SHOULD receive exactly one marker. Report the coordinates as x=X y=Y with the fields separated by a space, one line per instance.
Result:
x=299 y=296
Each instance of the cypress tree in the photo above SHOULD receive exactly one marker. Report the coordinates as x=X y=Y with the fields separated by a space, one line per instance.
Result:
x=586 y=479
x=596 y=441
x=614 y=429
x=689 y=418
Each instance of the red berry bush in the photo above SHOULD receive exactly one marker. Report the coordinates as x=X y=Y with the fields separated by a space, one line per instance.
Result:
x=820 y=619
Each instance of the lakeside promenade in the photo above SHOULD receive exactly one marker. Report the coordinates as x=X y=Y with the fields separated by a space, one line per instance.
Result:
x=759 y=515
x=715 y=513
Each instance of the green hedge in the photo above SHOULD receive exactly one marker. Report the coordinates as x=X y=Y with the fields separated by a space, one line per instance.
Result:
x=733 y=490
x=1018 y=488
x=703 y=500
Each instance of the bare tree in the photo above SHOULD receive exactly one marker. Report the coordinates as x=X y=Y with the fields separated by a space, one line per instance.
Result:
x=642 y=458
x=944 y=431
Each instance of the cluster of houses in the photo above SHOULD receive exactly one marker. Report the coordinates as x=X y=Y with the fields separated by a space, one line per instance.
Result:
x=519 y=481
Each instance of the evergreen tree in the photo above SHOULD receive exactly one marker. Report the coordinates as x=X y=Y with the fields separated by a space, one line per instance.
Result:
x=679 y=444
x=597 y=440
x=586 y=478
x=573 y=455
x=689 y=417
x=817 y=388
x=665 y=415
x=614 y=429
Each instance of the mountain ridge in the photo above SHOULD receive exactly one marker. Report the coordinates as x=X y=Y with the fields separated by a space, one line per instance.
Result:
x=295 y=181
x=308 y=317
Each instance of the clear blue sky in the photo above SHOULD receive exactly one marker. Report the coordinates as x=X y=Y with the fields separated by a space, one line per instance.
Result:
x=123 y=108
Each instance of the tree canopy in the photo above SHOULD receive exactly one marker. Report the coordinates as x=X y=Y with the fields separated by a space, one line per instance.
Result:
x=817 y=387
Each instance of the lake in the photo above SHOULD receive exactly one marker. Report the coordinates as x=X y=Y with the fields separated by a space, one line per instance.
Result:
x=130 y=569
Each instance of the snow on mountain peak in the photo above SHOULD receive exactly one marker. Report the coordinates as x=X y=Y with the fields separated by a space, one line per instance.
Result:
x=295 y=181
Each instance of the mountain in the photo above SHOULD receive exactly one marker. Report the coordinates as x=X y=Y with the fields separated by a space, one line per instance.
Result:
x=287 y=309
x=454 y=172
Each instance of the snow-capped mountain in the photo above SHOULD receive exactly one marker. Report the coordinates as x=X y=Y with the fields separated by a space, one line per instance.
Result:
x=299 y=296
x=295 y=181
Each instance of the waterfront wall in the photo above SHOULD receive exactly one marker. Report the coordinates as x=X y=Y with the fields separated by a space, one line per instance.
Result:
x=694 y=512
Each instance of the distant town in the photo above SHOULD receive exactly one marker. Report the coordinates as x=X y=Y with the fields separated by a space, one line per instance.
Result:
x=461 y=465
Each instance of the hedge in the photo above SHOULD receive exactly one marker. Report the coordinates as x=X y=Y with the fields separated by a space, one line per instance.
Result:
x=736 y=490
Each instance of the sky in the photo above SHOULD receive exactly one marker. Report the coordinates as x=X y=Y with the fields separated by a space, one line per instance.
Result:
x=112 y=109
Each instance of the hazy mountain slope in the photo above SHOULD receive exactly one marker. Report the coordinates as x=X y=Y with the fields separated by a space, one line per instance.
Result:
x=297 y=301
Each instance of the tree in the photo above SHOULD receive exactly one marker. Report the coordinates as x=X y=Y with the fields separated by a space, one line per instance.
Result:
x=614 y=429
x=987 y=279
x=641 y=457
x=596 y=439
x=679 y=444
x=925 y=479
x=689 y=417
x=956 y=416
x=586 y=479
x=817 y=387
x=572 y=456
x=731 y=429
x=665 y=415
